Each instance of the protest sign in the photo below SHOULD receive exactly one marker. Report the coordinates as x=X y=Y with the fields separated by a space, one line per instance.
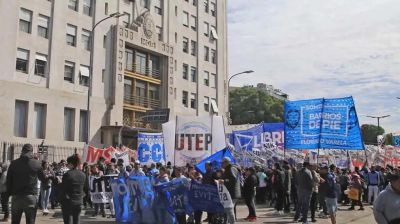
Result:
x=91 y=154
x=151 y=148
x=396 y=140
x=121 y=197
x=100 y=189
x=196 y=137
x=224 y=196
x=204 y=197
x=169 y=140
x=124 y=154
x=176 y=193
x=322 y=123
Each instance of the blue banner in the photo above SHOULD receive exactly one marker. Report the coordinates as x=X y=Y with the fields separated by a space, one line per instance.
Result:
x=322 y=123
x=176 y=193
x=151 y=148
x=264 y=135
x=215 y=159
x=205 y=197
x=121 y=200
x=396 y=140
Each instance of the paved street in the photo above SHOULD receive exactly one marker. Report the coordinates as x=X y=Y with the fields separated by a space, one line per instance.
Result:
x=266 y=215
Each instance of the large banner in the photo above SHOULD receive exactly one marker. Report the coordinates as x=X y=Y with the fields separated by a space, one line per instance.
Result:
x=196 y=138
x=322 y=123
x=100 y=189
x=92 y=154
x=151 y=148
x=396 y=140
x=137 y=201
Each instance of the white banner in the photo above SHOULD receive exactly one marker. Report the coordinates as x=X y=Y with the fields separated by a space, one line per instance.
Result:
x=100 y=189
x=169 y=140
x=224 y=196
x=196 y=138
x=151 y=148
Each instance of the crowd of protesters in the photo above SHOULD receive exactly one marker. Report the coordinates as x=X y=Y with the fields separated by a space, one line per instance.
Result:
x=304 y=190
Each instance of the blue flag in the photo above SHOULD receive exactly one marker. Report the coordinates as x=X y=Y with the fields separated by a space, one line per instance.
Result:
x=396 y=140
x=322 y=123
x=215 y=159
x=121 y=200
x=176 y=194
x=205 y=197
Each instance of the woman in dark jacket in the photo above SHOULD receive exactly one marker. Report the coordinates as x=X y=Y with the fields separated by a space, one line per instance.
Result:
x=72 y=191
x=249 y=193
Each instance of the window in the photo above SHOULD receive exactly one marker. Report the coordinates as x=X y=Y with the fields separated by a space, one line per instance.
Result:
x=206 y=29
x=154 y=66
x=176 y=10
x=185 y=98
x=40 y=65
x=193 y=99
x=128 y=88
x=193 y=22
x=207 y=103
x=140 y=93
x=185 y=71
x=206 y=53
x=185 y=18
x=176 y=37
x=185 y=45
x=71 y=35
x=213 y=56
x=104 y=41
x=214 y=105
x=141 y=63
x=206 y=6
x=213 y=9
x=213 y=80
x=129 y=59
x=206 y=78
x=73 y=4
x=126 y=19
x=43 y=26
x=194 y=2
x=193 y=48
x=22 y=62
x=84 y=75
x=214 y=34
x=193 y=74
x=87 y=7
x=85 y=39
x=159 y=32
x=69 y=71
x=25 y=20
x=106 y=8
x=158 y=7
x=20 y=118
x=69 y=124
x=83 y=121
x=153 y=92
x=39 y=123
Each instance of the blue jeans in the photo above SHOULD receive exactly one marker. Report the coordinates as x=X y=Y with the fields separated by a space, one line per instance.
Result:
x=45 y=194
x=303 y=204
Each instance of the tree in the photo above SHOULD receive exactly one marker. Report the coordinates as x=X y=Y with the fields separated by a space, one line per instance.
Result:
x=370 y=133
x=251 y=106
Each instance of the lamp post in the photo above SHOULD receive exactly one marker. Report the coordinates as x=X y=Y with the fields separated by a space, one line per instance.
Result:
x=378 y=118
x=91 y=44
x=229 y=82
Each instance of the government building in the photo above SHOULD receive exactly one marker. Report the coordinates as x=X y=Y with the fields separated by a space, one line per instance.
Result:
x=146 y=55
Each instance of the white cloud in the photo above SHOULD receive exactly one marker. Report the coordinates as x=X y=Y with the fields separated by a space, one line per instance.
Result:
x=329 y=48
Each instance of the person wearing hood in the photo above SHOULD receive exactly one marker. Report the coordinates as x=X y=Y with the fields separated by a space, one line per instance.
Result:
x=3 y=192
x=22 y=178
x=386 y=205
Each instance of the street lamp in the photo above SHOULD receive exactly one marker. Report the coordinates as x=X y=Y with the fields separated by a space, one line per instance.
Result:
x=91 y=44
x=378 y=118
x=229 y=82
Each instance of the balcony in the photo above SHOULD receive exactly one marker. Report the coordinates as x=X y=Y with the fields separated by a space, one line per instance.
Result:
x=143 y=70
x=140 y=101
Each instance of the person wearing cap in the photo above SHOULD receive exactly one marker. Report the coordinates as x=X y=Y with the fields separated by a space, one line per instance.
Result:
x=304 y=187
x=231 y=180
x=22 y=178
x=386 y=205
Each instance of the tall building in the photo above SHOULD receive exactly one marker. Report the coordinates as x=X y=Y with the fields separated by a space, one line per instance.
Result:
x=158 y=54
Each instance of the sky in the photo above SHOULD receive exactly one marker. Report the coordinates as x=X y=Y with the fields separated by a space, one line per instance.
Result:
x=321 y=48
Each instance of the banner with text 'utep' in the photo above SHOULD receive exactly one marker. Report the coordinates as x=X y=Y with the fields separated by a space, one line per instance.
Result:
x=322 y=123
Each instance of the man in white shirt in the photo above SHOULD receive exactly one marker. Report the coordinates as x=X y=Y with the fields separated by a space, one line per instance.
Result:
x=262 y=187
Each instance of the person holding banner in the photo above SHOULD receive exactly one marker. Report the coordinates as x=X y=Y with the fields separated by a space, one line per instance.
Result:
x=159 y=208
x=96 y=174
x=231 y=179
x=71 y=188
x=180 y=218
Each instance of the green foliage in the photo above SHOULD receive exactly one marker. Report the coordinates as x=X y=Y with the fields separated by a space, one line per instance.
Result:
x=370 y=133
x=251 y=106
x=389 y=139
